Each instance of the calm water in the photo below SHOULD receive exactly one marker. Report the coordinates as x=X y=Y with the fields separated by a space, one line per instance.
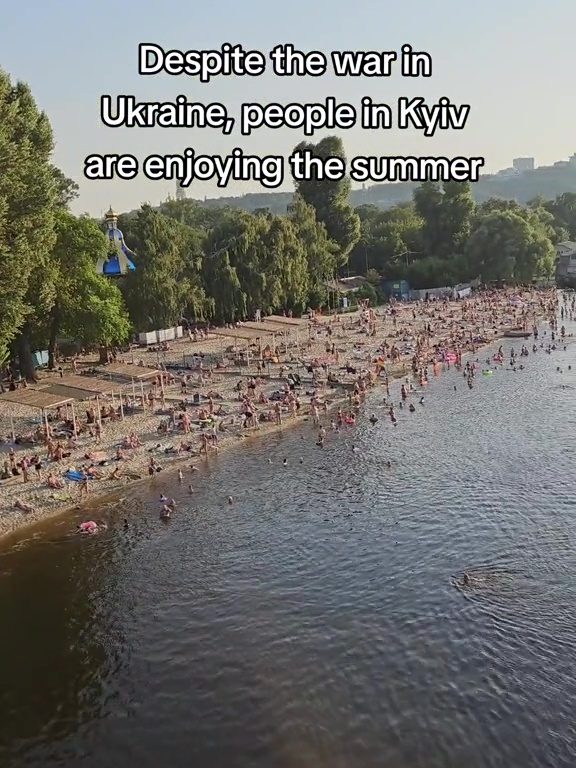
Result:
x=315 y=623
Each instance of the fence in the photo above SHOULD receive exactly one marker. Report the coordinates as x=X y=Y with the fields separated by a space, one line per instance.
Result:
x=154 y=337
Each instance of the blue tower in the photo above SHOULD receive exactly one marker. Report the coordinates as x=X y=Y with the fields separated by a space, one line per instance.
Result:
x=119 y=260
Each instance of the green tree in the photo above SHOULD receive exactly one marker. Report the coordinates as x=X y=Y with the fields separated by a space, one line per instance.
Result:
x=194 y=214
x=563 y=208
x=329 y=198
x=318 y=249
x=447 y=213
x=238 y=235
x=286 y=267
x=507 y=246
x=166 y=283
x=428 y=204
x=387 y=239
x=228 y=300
x=66 y=189
x=27 y=198
x=87 y=308
x=456 y=216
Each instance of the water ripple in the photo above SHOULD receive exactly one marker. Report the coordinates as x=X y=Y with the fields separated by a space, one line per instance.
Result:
x=321 y=621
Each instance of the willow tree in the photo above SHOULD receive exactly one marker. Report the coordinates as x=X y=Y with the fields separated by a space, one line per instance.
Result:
x=428 y=204
x=286 y=267
x=319 y=250
x=27 y=199
x=507 y=246
x=240 y=236
x=228 y=300
x=166 y=283
x=88 y=308
x=447 y=211
x=329 y=198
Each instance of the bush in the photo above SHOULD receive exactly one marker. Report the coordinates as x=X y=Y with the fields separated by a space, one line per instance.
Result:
x=367 y=292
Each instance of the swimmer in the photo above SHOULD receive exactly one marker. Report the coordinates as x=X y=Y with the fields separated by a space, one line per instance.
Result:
x=163 y=498
x=125 y=524
x=301 y=460
x=165 y=513
x=389 y=464
x=190 y=489
x=230 y=500
x=285 y=462
x=269 y=461
x=422 y=400
x=411 y=407
x=180 y=476
x=373 y=419
x=465 y=580
x=88 y=528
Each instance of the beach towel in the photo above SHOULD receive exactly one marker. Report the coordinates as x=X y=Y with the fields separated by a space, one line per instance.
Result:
x=75 y=476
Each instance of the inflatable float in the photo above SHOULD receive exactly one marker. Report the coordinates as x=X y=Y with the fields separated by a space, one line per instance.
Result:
x=89 y=527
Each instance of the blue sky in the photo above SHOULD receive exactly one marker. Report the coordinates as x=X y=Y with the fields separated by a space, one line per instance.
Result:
x=512 y=61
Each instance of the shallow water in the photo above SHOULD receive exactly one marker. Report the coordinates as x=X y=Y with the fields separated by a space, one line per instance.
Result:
x=318 y=621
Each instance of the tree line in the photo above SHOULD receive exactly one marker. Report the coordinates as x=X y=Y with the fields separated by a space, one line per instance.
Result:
x=221 y=264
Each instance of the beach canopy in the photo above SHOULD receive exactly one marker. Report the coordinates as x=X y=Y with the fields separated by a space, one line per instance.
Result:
x=35 y=398
x=79 y=387
x=128 y=371
x=75 y=393
x=281 y=320
x=246 y=334
x=266 y=326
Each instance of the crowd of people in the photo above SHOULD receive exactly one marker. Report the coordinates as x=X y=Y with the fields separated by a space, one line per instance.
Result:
x=324 y=378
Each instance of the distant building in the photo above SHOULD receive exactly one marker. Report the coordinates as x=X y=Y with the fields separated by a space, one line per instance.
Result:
x=522 y=164
x=346 y=284
x=396 y=289
x=508 y=173
x=180 y=191
x=566 y=266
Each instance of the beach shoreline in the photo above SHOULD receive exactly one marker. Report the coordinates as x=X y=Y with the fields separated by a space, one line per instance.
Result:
x=52 y=505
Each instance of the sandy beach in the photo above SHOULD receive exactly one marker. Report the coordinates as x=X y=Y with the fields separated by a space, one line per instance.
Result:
x=327 y=362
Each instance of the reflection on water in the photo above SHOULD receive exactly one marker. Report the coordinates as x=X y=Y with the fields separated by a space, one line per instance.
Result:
x=320 y=620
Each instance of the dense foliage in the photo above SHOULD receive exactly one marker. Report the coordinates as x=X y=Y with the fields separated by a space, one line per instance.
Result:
x=443 y=238
x=222 y=264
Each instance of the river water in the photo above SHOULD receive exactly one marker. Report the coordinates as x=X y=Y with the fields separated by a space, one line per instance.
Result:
x=315 y=622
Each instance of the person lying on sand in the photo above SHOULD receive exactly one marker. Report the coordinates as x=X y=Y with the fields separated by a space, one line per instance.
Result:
x=92 y=472
x=23 y=506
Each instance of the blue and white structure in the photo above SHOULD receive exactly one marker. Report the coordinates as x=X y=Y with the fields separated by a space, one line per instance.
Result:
x=120 y=258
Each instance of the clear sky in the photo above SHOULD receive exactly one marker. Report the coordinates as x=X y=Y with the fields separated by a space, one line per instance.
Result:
x=513 y=61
